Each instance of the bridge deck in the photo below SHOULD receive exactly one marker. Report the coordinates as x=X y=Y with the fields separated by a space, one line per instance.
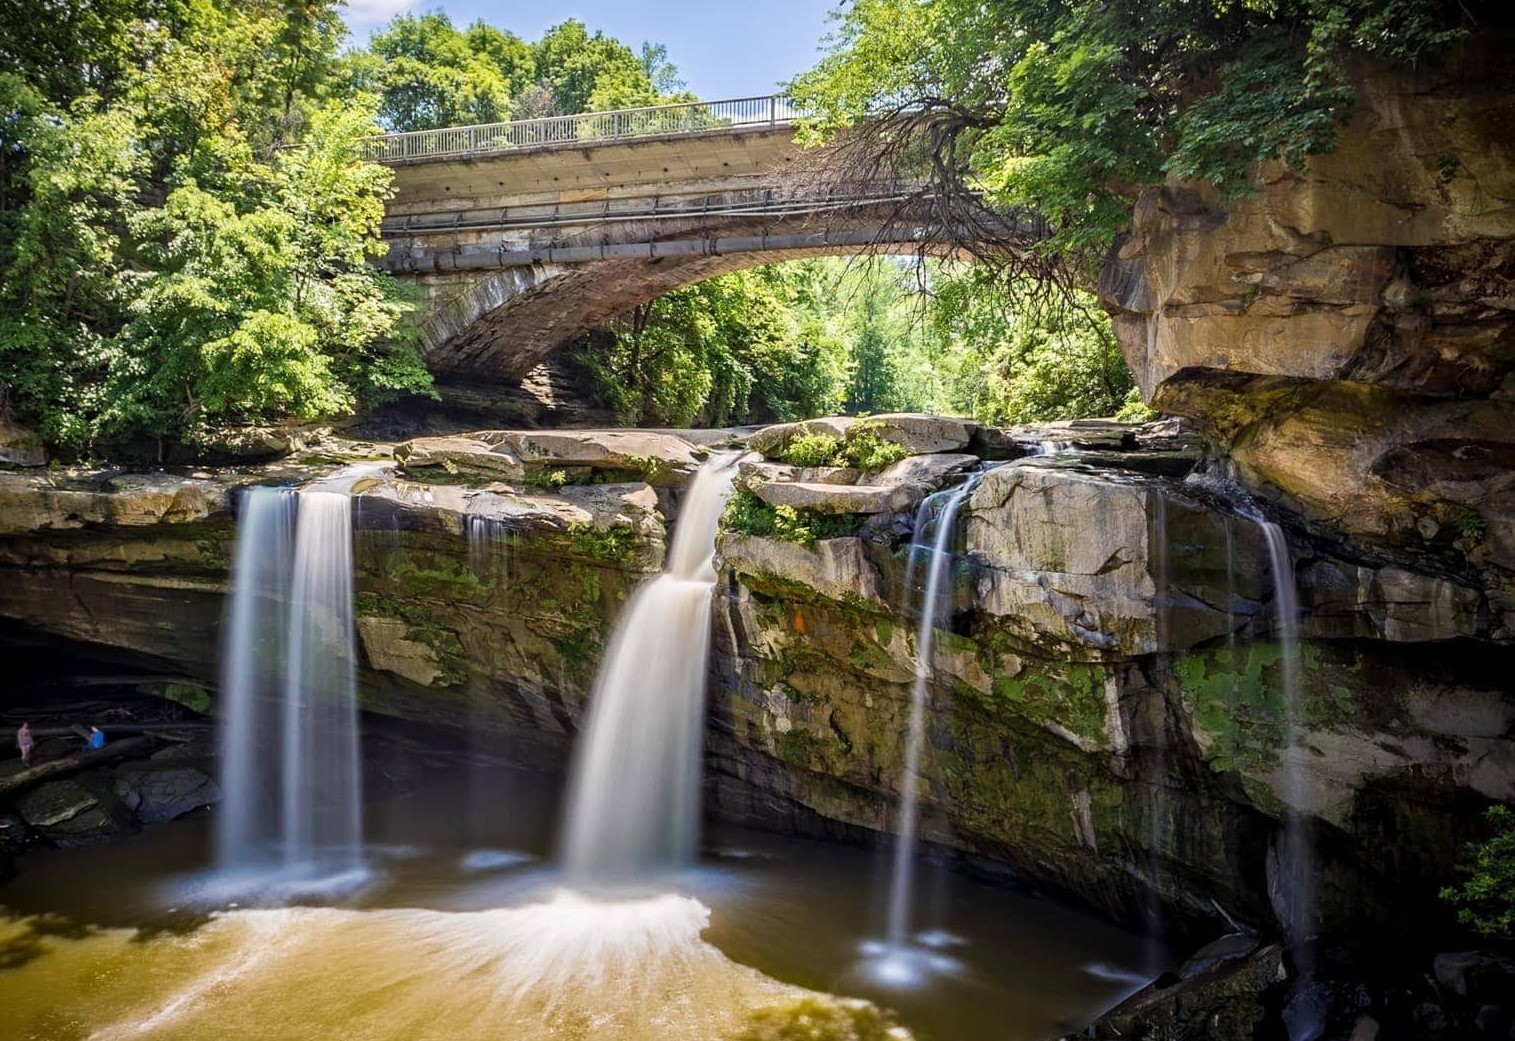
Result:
x=686 y=119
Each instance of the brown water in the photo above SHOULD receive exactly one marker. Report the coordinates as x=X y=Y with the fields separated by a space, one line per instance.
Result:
x=466 y=933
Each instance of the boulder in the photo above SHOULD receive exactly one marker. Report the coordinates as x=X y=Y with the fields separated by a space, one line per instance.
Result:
x=923 y=474
x=1477 y=976
x=1223 y=1001
x=658 y=458
x=74 y=812
x=773 y=440
x=39 y=503
x=20 y=446
x=917 y=432
x=826 y=498
x=158 y=794
x=835 y=568
x=461 y=456
x=760 y=470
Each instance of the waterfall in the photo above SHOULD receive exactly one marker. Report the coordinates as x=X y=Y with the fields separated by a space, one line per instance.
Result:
x=323 y=821
x=252 y=654
x=289 y=736
x=1159 y=553
x=1292 y=860
x=633 y=804
x=942 y=508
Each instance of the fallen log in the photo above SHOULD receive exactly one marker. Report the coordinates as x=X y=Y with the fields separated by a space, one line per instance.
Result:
x=86 y=759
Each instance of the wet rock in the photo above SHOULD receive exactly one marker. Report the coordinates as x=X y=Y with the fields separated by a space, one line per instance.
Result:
x=1476 y=975
x=1223 y=1002
x=74 y=812
x=388 y=646
x=1431 y=1021
x=158 y=794
x=1365 y=1028
x=1389 y=603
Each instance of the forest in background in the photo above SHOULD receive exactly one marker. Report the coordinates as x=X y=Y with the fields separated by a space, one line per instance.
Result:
x=186 y=221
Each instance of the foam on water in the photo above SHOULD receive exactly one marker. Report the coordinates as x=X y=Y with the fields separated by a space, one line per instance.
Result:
x=564 y=967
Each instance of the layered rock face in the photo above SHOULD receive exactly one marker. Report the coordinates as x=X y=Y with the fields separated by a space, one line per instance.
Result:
x=1347 y=333
x=1107 y=710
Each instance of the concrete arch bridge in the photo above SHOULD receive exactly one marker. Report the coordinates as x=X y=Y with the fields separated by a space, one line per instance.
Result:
x=525 y=235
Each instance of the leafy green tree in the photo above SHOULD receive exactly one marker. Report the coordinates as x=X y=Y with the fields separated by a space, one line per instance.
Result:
x=1066 y=108
x=428 y=75
x=591 y=73
x=190 y=248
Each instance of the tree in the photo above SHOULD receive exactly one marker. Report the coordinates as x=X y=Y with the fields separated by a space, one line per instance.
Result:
x=1067 y=108
x=190 y=247
x=428 y=75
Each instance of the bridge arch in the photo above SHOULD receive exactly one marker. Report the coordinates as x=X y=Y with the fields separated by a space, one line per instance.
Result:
x=525 y=236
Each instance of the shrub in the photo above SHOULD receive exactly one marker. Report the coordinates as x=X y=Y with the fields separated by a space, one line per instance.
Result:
x=867 y=450
x=1486 y=901
x=746 y=514
x=812 y=450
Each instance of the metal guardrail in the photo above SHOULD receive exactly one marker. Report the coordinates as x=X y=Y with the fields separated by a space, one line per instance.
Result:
x=654 y=120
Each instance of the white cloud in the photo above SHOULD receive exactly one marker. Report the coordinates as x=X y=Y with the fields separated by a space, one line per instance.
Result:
x=363 y=15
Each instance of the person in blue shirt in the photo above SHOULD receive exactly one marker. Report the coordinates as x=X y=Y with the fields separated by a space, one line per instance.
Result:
x=96 y=737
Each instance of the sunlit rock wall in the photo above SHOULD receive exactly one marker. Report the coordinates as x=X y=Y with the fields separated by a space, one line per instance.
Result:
x=1347 y=332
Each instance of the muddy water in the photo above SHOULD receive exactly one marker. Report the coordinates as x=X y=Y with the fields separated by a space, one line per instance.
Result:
x=467 y=932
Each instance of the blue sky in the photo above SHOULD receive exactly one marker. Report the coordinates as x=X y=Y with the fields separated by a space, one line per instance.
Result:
x=723 y=49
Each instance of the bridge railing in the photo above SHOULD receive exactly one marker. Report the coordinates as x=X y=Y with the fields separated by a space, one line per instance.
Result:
x=618 y=124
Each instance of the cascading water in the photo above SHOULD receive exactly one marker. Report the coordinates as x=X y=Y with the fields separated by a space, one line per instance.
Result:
x=323 y=818
x=1292 y=881
x=634 y=798
x=252 y=678
x=941 y=510
x=289 y=737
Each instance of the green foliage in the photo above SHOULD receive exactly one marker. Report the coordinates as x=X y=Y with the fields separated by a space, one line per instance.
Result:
x=812 y=450
x=802 y=339
x=1067 y=108
x=1005 y=366
x=429 y=74
x=1486 y=901
x=868 y=450
x=752 y=346
x=746 y=514
x=189 y=242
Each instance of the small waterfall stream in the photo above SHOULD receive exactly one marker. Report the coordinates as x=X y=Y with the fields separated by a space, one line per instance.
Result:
x=633 y=806
x=941 y=510
x=252 y=678
x=323 y=818
x=289 y=729
x=1292 y=860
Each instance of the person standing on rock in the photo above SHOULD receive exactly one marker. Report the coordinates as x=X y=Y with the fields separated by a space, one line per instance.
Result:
x=24 y=742
x=96 y=738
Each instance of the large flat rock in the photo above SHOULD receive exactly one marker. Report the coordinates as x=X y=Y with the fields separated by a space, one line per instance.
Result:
x=838 y=569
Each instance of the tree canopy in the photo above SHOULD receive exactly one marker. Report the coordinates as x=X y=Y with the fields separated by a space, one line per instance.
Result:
x=430 y=74
x=1065 y=107
x=187 y=224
